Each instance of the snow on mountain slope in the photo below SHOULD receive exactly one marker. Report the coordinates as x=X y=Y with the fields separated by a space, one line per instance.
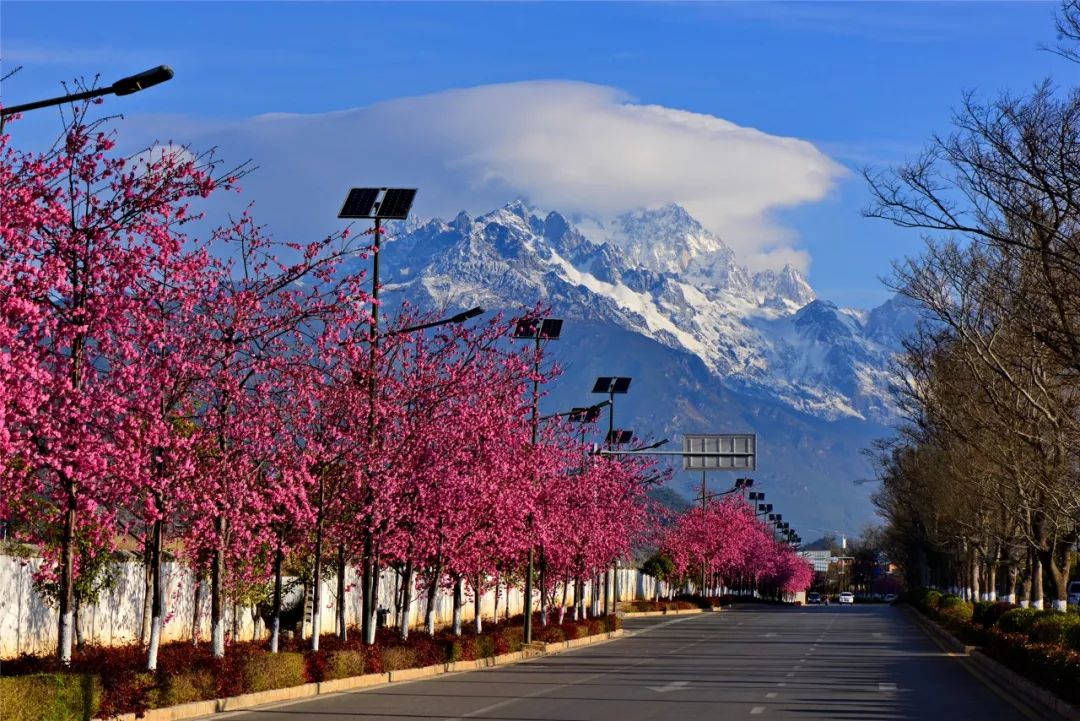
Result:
x=661 y=274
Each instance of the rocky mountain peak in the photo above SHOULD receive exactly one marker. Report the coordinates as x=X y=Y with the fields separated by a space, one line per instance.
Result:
x=787 y=286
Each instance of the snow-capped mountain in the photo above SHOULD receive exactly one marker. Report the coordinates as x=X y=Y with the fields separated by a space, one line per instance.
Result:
x=661 y=274
x=711 y=346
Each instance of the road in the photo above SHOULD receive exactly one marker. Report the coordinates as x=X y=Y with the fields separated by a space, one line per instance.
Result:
x=861 y=662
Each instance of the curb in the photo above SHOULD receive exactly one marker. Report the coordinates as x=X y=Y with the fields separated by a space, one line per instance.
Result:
x=943 y=637
x=202 y=709
x=677 y=612
x=1047 y=702
x=999 y=677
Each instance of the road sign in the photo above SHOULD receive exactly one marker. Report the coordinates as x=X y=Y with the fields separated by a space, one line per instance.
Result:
x=719 y=452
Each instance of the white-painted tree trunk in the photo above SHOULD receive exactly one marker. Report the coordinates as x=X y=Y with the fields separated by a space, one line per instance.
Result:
x=1010 y=598
x=67 y=627
x=217 y=638
x=155 y=643
x=275 y=633
x=1025 y=603
x=316 y=626
x=1061 y=605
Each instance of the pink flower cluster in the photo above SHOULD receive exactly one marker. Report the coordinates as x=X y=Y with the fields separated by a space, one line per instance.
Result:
x=724 y=543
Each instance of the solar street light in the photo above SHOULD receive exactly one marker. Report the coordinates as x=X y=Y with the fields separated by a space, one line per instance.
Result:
x=378 y=204
x=537 y=330
x=619 y=437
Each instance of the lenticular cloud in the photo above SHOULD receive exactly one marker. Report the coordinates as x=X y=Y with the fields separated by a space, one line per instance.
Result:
x=575 y=147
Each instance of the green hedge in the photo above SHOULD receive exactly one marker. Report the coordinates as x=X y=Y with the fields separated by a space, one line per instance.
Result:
x=264 y=672
x=1018 y=620
x=1051 y=629
x=343 y=664
x=49 y=697
x=1072 y=638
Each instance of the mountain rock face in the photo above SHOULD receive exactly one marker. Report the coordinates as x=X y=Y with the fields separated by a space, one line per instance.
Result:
x=727 y=344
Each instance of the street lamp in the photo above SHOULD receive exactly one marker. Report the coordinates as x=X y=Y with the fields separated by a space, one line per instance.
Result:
x=538 y=330
x=123 y=86
x=458 y=318
x=611 y=385
x=377 y=204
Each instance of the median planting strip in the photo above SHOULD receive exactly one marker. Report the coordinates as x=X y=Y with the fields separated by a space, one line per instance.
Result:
x=354 y=683
x=1003 y=680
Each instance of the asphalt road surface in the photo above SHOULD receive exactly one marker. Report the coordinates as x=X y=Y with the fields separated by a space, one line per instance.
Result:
x=861 y=662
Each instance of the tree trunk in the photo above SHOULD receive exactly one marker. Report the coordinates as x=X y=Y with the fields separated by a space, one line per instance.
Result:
x=156 y=607
x=148 y=586
x=275 y=616
x=406 y=600
x=562 y=606
x=67 y=578
x=316 y=574
x=543 y=589
x=196 y=608
x=477 y=600
x=458 y=603
x=432 y=593
x=1059 y=578
x=217 y=598
x=1036 y=582
x=342 y=632
x=369 y=603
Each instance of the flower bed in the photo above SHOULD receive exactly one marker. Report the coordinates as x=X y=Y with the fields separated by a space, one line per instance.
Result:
x=1040 y=645
x=104 y=682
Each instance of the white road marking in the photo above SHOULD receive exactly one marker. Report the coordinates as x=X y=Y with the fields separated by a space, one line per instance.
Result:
x=757 y=709
x=782 y=683
x=886 y=687
x=790 y=675
x=672 y=686
x=771 y=694
x=770 y=635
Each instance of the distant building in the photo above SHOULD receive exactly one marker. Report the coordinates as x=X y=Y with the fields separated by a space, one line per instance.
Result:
x=819 y=559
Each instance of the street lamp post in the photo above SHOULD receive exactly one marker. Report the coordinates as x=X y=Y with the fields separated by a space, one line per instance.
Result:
x=535 y=329
x=378 y=204
x=611 y=385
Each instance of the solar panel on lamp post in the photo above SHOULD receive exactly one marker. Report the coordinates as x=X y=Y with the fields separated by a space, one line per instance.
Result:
x=538 y=330
x=610 y=385
x=376 y=204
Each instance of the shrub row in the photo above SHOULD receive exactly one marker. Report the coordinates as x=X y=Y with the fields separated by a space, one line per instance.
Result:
x=50 y=697
x=1042 y=645
x=109 y=681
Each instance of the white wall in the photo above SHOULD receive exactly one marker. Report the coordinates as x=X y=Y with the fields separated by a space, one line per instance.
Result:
x=28 y=624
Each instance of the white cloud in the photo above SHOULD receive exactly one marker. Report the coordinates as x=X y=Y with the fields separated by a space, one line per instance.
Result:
x=575 y=147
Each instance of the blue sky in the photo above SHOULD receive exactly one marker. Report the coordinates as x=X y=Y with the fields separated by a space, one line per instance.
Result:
x=863 y=83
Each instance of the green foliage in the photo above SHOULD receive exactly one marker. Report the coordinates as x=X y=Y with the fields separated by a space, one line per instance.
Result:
x=949 y=601
x=49 y=697
x=1018 y=620
x=1052 y=628
x=1072 y=637
x=930 y=598
x=485 y=646
x=396 y=658
x=183 y=687
x=659 y=566
x=956 y=611
x=265 y=671
x=988 y=612
x=343 y=664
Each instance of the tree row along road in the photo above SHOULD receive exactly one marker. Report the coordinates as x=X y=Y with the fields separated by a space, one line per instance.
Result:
x=774 y=662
